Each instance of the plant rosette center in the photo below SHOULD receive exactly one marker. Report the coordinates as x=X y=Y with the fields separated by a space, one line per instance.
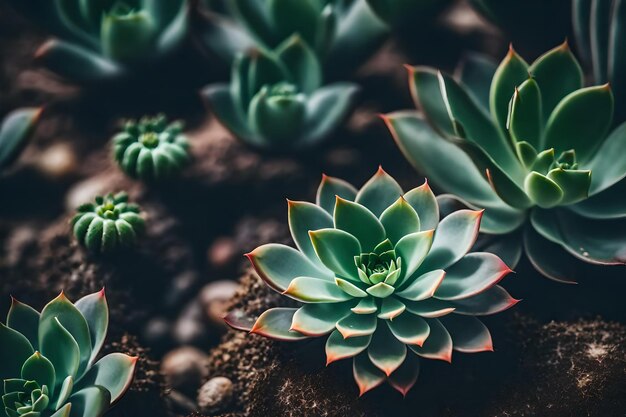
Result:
x=25 y=398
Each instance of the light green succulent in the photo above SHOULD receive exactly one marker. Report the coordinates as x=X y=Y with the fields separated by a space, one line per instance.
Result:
x=380 y=274
x=276 y=99
x=534 y=148
x=600 y=29
x=151 y=149
x=110 y=224
x=105 y=39
x=15 y=130
x=342 y=33
x=50 y=365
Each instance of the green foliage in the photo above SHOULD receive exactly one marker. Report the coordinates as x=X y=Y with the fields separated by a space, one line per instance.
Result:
x=378 y=272
x=105 y=39
x=151 y=149
x=110 y=224
x=533 y=147
x=276 y=99
x=49 y=366
x=15 y=130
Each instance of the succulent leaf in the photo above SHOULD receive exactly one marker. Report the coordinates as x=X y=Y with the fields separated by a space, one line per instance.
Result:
x=468 y=334
x=25 y=320
x=15 y=130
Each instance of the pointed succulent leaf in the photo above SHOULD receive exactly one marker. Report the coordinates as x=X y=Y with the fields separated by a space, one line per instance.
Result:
x=426 y=92
x=385 y=351
x=424 y=286
x=526 y=153
x=314 y=290
x=542 y=190
x=38 y=368
x=337 y=249
x=379 y=192
x=276 y=324
x=92 y=401
x=525 y=117
x=413 y=249
x=580 y=121
x=405 y=377
x=64 y=391
x=59 y=346
x=339 y=348
x=95 y=310
x=63 y=411
x=424 y=202
x=410 y=329
x=608 y=166
x=468 y=334
x=278 y=265
x=511 y=72
x=607 y=204
x=25 y=320
x=328 y=191
x=391 y=308
x=429 y=308
x=438 y=345
x=350 y=288
x=400 y=219
x=360 y=222
x=365 y=306
x=13 y=345
x=494 y=300
x=507 y=189
x=355 y=325
x=367 y=375
x=319 y=319
x=552 y=260
x=15 y=130
x=302 y=63
x=574 y=183
x=277 y=112
x=380 y=290
x=226 y=110
x=303 y=217
x=114 y=372
x=476 y=72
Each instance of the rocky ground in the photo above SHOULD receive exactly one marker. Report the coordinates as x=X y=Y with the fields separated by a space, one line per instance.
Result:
x=168 y=297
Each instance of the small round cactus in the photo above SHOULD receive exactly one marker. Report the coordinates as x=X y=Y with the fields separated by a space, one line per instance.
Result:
x=151 y=149
x=109 y=224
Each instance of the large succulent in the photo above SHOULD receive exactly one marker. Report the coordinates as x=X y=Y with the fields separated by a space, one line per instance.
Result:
x=111 y=223
x=151 y=148
x=276 y=98
x=530 y=145
x=103 y=39
x=342 y=33
x=600 y=29
x=378 y=272
x=14 y=132
x=49 y=366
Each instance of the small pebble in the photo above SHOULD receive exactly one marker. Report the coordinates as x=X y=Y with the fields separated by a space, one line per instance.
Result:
x=215 y=298
x=222 y=252
x=185 y=368
x=190 y=327
x=215 y=395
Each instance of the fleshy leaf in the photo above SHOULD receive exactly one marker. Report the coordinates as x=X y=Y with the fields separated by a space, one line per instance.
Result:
x=366 y=374
x=380 y=290
x=391 y=308
x=360 y=222
x=426 y=92
x=15 y=346
x=492 y=301
x=63 y=412
x=424 y=202
x=406 y=375
x=413 y=249
x=314 y=290
x=476 y=72
x=365 y=306
x=14 y=132
x=550 y=259
x=511 y=72
x=328 y=191
x=25 y=320
x=399 y=220
x=303 y=217
x=410 y=329
x=468 y=334
x=424 y=286
x=319 y=319
x=608 y=166
x=275 y=323
x=339 y=348
x=92 y=401
x=430 y=308
x=356 y=325
x=58 y=345
x=438 y=345
x=337 y=249
x=302 y=63
x=574 y=183
x=96 y=312
x=385 y=351
x=525 y=118
x=379 y=192
x=542 y=190
x=39 y=368
x=350 y=288
x=114 y=372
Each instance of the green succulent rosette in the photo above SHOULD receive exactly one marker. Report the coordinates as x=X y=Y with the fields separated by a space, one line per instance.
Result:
x=105 y=39
x=15 y=130
x=600 y=31
x=534 y=148
x=112 y=223
x=50 y=365
x=151 y=149
x=276 y=99
x=342 y=33
x=378 y=272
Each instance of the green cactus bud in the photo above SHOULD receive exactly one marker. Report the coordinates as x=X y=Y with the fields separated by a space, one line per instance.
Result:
x=277 y=112
x=151 y=149
x=126 y=34
x=111 y=224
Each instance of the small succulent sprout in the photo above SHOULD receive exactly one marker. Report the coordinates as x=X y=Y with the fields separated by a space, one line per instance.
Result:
x=50 y=365
x=531 y=145
x=110 y=224
x=100 y=40
x=276 y=99
x=381 y=275
x=15 y=130
x=151 y=148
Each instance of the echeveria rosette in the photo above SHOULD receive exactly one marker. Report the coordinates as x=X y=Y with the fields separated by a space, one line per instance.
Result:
x=112 y=223
x=15 y=129
x=532 y=146
x=276 y=99
x=100 y=40
x=600 y=30
x=151 y=149
x=383 y=277
x=341 y=33
x=49 y=364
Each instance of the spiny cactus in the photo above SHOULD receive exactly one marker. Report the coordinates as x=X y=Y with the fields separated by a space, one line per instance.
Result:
x=111 y=223
x=534 y=148
x=14 y=132
x=151 y=149
x=276 y=99
x=50 y=365
x=378 y=272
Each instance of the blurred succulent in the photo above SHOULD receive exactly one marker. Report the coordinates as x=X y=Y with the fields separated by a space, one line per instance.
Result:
x=275 y=98
x=102 y=39
x=529 y=144
x=600 y=30
x=378 y=272
x=15 y=130
x=342 y=33
x=398 y=13
x=49 y=366
x=151 y=149
x=111 y=223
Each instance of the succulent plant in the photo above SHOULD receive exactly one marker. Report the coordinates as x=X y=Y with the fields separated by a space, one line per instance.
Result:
x=151 y=149
x=14 y=132
x=342 y=33
x=600 y=27
x=111 y=223
x=530 y=145
x=406 y=12
x=104 y=39
x=276 y=98
x=378 y=272
x=49 y=366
